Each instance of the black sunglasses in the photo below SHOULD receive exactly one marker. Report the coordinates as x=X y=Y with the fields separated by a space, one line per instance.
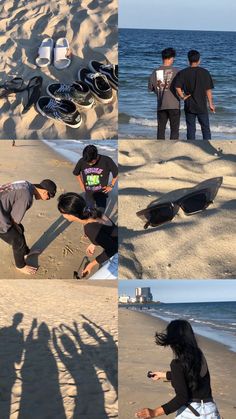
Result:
x=191 y=201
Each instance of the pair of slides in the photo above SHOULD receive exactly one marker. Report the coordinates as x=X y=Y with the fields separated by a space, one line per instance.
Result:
x=60 y=53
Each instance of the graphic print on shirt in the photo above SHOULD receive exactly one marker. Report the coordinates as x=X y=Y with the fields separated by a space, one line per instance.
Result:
x=93 y=176
x=164 y=78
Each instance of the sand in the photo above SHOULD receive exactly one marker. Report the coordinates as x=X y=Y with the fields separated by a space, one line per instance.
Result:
x=59 y=359
x=199 y=246
x=139 y=354
x=62 y=245
x=91 y=29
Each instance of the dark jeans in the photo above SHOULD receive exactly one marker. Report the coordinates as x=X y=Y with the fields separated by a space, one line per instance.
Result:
x=172 y=115
x=203 y=120
x=15 y=237
x=97 y=198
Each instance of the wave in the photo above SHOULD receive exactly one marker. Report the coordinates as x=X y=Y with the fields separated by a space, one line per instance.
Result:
x=152 y=123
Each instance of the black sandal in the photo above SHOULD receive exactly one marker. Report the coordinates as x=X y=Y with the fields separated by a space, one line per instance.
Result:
x=13 y=86
x=34 y=89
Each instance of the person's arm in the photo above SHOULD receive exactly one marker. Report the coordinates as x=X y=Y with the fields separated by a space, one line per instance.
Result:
x=181 y=94
x=23 y=201
x=210 y=100
x=113 y=169
x=81 y=182
x=150 y=83
x=108 y=243
x=78 y=173
x=181 y=389
x=158 y=375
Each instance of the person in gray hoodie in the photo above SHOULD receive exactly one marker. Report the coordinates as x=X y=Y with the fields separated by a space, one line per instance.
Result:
x=15 y=199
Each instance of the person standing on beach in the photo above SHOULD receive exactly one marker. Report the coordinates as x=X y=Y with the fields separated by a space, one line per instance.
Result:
x=161 y=82
x=189 y=376
x=15 y=199
x=93 y=171
x=194 y=86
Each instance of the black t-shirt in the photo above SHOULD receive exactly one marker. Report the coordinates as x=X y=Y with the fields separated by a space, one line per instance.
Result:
x=184 y=394
x=195 y=81
x=95 y=177
x=105 y=236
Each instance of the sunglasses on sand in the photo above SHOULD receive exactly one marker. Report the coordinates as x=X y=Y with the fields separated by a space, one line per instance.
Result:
x=190 y=200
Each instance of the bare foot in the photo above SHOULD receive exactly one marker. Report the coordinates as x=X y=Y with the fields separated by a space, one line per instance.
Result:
x=32 y=253
x=28 y=270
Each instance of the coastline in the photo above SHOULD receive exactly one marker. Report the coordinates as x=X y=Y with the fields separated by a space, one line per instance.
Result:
x=138 y=354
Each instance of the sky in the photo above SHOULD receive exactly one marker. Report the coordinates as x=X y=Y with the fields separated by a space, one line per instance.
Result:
x=181 y=291
x=178 y=14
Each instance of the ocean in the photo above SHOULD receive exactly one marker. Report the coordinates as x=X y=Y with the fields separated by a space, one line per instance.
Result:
x=139 y=54
x=216 y=321
x=72 y=149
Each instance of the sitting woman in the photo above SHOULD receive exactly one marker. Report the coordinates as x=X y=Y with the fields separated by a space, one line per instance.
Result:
x=189 y=376
x=100 y=230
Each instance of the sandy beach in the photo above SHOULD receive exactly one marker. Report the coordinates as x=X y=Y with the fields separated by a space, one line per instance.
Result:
x=198 y=246
x=91 y=29
x=139 y=354
x=58 y=349
x=63 y=247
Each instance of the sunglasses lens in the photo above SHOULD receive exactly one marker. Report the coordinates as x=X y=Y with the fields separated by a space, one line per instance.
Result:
x=160 y=215
x=194 y=203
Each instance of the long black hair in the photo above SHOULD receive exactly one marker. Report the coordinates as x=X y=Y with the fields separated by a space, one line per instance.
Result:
x=72 y=203
x=180 y=337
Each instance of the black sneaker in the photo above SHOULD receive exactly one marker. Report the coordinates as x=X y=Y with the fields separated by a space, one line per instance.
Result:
x=109 y=70
x=63 y=111
x=98 y=85
x=78 y=92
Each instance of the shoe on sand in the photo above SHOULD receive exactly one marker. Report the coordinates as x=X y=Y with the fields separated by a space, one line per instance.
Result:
x=63 y=111
x=98 y=85
x=45 y=53
x=78 y=92
x=109 y=70
x=62 y=54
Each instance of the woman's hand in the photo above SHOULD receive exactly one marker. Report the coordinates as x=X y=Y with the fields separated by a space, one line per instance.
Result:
x=158 y=375
x=90 y=249
x=145 y=413
x=89 y=267
x=149 y=413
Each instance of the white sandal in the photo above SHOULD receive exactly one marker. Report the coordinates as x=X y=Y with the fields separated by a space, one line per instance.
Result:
x=62 y=54
x=45 y=53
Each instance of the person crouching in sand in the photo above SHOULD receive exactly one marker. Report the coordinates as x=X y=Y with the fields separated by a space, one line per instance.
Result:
x=15 y=199
x=189 y=375
x=100 y=230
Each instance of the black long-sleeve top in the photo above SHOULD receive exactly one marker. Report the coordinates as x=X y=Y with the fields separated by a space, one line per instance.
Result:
x=184 y=394
x=105 y=236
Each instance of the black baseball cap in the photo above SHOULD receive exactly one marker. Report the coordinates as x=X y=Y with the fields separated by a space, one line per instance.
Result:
x=48 y=185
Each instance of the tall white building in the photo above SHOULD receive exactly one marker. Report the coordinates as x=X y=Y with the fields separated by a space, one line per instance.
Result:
x=143 y=295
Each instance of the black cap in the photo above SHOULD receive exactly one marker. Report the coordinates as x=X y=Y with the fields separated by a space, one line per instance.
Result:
x=48 y=185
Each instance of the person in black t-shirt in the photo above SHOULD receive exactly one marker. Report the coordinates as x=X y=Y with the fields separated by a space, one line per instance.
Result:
x=189 y=376
x=194 y=85
x=100 y=229
x=93 y=171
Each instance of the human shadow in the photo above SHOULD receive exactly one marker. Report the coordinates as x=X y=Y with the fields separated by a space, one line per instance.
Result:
x=40 y=380
x=11 y=349
x=89 y=400
x=49 y=236
x=107 y=346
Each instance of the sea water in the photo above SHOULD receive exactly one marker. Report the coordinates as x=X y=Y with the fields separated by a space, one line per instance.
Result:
x=140 y=53
x=216 y=321
x=72 y=149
